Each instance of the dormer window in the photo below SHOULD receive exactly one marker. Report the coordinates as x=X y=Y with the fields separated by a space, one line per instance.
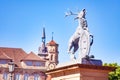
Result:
x=34 y=63
x=3 y=61
x=29 y=63
x=37 y=64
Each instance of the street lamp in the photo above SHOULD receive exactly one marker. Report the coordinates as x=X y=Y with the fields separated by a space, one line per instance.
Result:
x=11 y=66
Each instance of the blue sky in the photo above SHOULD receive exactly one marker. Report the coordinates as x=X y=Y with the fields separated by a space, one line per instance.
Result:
x=21 y=23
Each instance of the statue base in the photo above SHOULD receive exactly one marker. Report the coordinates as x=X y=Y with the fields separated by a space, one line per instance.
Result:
x=76 y=71
x=92 y=61
x=84 y=61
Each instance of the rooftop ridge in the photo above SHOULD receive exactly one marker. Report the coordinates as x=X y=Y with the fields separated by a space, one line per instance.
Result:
x=32 y=56
x=10 y=48
x=4 y=56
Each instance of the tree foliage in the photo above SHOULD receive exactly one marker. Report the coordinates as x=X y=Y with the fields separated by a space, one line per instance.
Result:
x=114 y=75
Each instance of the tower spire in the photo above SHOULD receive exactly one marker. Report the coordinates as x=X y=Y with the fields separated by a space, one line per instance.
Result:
x=43 y=41
x=43 y=35
x=52 y=36
x=42 y=50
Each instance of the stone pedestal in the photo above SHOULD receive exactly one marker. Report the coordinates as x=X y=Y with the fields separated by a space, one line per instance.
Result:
x=80 y=72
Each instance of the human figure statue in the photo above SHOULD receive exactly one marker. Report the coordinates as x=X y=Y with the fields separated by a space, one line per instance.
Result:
x=76 y=40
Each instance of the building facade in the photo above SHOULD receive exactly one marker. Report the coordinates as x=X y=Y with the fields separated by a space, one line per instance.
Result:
x=29 y=66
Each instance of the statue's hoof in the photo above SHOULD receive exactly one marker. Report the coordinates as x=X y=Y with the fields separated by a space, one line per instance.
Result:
x=87 y=56
x=92 y=56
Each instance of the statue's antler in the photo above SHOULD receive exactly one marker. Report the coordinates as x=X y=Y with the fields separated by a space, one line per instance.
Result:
x=69 y=13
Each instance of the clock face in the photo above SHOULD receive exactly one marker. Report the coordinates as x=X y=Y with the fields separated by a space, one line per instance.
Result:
x=85 y=43
x=51 y=66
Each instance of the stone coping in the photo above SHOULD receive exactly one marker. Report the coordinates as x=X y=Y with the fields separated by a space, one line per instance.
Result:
x=82 y=66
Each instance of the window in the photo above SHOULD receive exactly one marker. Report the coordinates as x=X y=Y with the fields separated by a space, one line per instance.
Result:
x=28 y=63
x=17 y=76
x=39 y=63
x=36 y=77
x=51 y=57
x=3 y=62
x=26 y=76
x=5 y=76
x=35 y=63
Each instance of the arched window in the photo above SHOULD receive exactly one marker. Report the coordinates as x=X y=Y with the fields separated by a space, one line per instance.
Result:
x=26 y=76
x=17 y=76
x=37 y=77
x=5 y=76
x=51 y=57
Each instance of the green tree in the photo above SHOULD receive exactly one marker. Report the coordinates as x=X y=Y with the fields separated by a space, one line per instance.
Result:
x=114 y=75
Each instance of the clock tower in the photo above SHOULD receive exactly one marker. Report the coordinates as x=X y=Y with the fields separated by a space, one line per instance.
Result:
x=49 y=52
x=52 y=47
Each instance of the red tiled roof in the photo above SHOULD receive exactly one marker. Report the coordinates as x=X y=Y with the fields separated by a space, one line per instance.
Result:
x=32 y=56
x=16 y=54
x=4 y=56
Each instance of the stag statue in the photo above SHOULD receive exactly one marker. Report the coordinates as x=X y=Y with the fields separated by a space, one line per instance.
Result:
x=81 y=38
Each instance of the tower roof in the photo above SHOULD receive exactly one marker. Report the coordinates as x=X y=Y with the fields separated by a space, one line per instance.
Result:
x=52 y=43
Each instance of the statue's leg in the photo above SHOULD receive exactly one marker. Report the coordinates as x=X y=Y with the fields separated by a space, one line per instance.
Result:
x=70 y=45
x=76 y=48
x=72 y=56
x=80 y=55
